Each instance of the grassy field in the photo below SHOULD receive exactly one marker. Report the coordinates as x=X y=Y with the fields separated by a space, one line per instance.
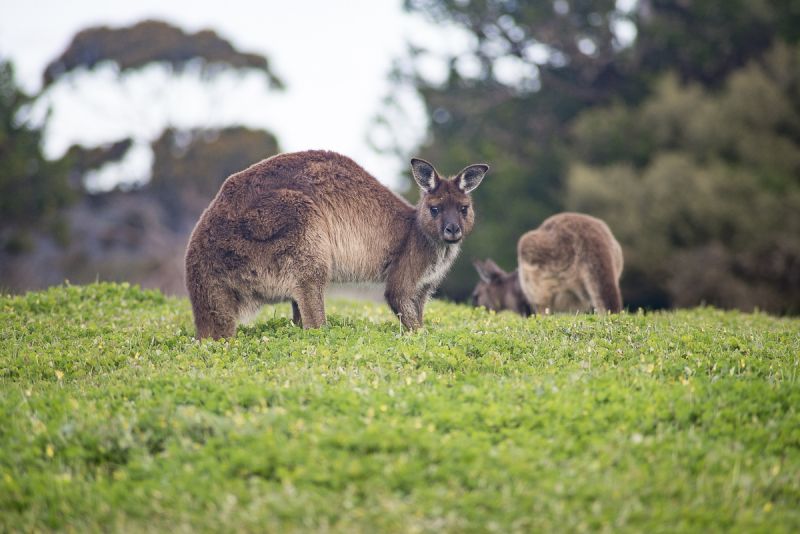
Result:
x=112 y=417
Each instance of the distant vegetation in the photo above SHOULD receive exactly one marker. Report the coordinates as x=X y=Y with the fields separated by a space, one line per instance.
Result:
x=56 y=228
x=114 y=418
x=686 y=140
x=677 y=122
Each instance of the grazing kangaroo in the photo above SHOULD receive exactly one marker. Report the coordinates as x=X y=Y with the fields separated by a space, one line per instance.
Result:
x=287 y=226
x=499 y=290
x=570 y=263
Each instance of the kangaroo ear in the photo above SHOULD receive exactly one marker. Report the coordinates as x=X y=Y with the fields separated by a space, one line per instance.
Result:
x=488 y=270
x=478 y=264
x=471 y=177
x=424 y=174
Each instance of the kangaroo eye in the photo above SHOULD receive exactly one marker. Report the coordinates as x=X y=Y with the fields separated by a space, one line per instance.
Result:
x=434 y=210
x=464 y=210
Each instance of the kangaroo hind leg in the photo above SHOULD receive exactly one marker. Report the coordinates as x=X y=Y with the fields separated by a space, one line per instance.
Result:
x=601 y=285
x=310 y=306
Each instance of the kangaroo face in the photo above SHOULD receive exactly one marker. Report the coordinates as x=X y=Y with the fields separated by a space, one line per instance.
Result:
x=488 y=295
x=491 y=290
x=498 y=290
x=445 y=209
x=446 y=213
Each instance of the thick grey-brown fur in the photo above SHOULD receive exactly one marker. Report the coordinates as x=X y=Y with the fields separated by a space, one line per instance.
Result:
x=498 y=290
x=571 y=262
x=289 y=225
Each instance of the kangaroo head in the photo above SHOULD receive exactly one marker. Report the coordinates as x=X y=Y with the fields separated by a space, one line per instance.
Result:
x=444 y=212
x=498 y=290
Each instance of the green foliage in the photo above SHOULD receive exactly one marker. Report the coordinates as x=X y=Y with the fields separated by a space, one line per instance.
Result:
x=705 y=41
x=113 y=417
x=519 y=131
x=148 y=42
x=685 y=96
x=702 y=187
x=32 y=189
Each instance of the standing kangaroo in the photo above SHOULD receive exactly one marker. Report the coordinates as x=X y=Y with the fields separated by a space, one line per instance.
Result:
x=570 y=263
x=287 y=226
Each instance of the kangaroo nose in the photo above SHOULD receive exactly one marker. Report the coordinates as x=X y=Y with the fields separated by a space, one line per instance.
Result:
x=452 y=232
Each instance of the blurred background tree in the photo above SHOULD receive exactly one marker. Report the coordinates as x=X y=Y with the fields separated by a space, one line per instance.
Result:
x=675 y=120
x=707 y=199
x=56 y=226
x=149 y=42
x=33 y=190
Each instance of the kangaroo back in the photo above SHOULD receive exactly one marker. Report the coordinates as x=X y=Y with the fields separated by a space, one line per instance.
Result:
x=571 y=262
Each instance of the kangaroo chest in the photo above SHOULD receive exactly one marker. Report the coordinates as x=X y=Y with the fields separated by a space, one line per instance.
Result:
x=435 y=273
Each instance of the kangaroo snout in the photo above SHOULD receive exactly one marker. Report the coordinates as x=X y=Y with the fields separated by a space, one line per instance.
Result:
x=452 y=232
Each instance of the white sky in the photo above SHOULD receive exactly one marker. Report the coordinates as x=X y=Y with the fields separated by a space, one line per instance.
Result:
x=334 y=57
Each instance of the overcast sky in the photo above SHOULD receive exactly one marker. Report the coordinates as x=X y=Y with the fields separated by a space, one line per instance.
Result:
x=334 y=57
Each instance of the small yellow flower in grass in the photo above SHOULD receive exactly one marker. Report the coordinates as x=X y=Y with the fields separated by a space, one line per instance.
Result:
x=767 y=507
x=384 y=407
x=49 y=451
x=59 y=375
x=238 y=420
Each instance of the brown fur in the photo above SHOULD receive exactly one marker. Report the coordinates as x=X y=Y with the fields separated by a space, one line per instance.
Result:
x=570 y=263
x=499 y=290
x=289 y=225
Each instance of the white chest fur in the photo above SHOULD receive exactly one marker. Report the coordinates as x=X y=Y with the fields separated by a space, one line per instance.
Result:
x=436 y=272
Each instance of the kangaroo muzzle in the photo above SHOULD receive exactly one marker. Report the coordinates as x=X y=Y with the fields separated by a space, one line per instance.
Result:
x=452 y=233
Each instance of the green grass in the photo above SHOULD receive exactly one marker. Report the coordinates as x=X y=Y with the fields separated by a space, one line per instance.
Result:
x=112 y=417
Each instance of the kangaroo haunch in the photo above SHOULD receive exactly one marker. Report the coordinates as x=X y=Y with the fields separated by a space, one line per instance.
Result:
x=572 y=262
x=287 y=226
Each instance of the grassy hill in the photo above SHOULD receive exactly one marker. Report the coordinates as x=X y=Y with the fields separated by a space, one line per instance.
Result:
x=113 y=418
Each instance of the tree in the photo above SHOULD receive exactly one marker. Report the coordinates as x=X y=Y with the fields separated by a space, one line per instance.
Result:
x=32 y=189
x=149 y=42
x=156 y=53
x=128 y=233
x=563 y=55
x=567 y=59
x=703 y=189
x=705 y=41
